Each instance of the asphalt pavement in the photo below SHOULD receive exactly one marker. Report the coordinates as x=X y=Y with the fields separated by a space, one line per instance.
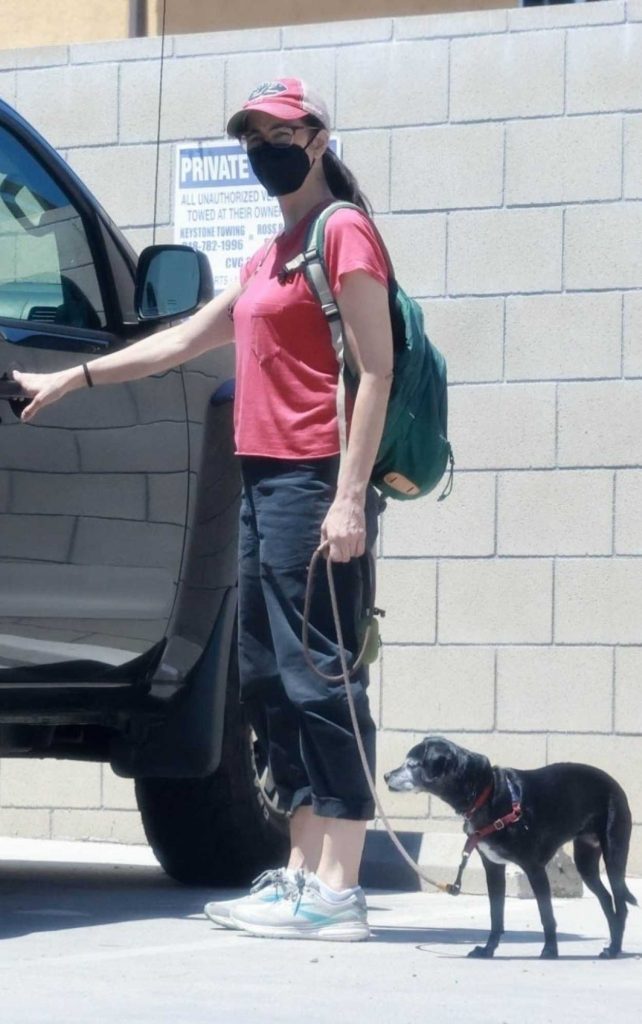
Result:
x=97 y=934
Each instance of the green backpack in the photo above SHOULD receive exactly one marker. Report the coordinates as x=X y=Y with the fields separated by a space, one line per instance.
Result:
x=414 y=449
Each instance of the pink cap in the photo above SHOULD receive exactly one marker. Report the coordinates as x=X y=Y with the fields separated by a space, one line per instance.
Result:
x=285 y=98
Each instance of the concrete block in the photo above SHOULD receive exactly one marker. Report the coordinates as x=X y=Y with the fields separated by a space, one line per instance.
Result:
x=121 y=50
x=633 y=156
x=338 y=33
x=470 y=335
x=374 y=689
x=118 y=794
x=603 y=69
x=555 y=513
x=555 y=689
x=243 y=72
x=634 y=863
x=181 y=117
x=38 y=783
x=509 y=75
x=137 y=166
x=106 y=826
x=600 y=424
x=25 y=824
x=140 y=238
x=464 y=526
x=603 y=246
x=551 y=337
x=633 y=334
x=241 y=41
x=503 y=601
x=119 y=496
x=419 y=71
x=567 y=16
x=367 y=154
x=8 y=87
x=628 y=522
x=392 y=748
x=628 y=689
x=598 y=601
x=447 y=167
x=464 y=23
x=500 y=251
x=417 y=244
x=440 y=854
x=435 y=689
x=620 y=756
x=502 y=426
x=634 y=10
x=563 y=160
x=411 y=620
x=34 y=57
x=71 y=106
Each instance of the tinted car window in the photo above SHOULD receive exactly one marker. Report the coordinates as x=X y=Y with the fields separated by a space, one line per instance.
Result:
x=46 y=268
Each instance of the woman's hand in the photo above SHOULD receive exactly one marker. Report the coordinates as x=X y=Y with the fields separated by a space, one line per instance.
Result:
x=42 y=388
x=344 y=528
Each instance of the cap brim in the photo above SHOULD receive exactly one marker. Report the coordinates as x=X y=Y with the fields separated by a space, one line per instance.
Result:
x=284 y=111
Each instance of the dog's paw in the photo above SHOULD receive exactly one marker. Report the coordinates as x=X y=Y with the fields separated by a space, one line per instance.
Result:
x=481 y=953
x=608 y=954
x=548 y=953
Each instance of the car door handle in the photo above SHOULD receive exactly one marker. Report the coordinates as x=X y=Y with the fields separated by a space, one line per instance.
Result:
x=11 y=390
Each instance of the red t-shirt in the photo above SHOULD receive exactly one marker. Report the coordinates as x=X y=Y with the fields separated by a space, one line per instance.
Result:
x=286 y=369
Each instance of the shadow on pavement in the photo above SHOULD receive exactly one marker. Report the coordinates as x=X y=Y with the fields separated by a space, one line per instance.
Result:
x=37 y=897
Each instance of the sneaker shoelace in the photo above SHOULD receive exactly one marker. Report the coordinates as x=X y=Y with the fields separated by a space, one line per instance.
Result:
x=295 y=888
x=273 y=876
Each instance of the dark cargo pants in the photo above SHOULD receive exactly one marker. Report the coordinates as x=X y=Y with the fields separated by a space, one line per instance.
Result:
x=302 y=721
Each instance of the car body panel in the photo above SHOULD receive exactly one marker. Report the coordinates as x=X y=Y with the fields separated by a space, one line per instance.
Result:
x=118 y=505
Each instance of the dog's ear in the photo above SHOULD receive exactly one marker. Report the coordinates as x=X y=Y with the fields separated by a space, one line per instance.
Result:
x=438 y=759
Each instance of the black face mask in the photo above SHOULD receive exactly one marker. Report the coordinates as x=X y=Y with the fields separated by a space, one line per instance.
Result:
x=280 y=169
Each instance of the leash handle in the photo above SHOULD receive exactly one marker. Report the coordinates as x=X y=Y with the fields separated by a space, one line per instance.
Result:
x=323 y=549
x=452 y=890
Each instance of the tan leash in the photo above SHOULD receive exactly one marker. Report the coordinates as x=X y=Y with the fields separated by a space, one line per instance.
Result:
x=453 y=890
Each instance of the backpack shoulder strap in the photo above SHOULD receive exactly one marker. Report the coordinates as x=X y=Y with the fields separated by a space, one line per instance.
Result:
x=311 y=262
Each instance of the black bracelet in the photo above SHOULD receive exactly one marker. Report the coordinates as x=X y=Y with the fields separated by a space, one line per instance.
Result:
x=87 y=375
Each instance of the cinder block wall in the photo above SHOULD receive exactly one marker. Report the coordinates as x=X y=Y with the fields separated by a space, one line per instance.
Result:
x=503 y=154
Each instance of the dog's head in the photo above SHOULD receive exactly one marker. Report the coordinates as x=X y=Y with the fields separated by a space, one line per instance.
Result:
x=439 y=766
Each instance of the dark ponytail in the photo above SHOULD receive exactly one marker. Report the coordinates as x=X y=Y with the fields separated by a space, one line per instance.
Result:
x=341 y=181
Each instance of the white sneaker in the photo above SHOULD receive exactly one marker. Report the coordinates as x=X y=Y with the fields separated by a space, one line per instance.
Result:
x=302 y=912
x=266 y=889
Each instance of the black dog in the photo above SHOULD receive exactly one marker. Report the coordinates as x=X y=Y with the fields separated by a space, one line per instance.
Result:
x=524 y=817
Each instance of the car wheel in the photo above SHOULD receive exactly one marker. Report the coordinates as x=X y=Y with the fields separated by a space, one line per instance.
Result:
x=225 y=828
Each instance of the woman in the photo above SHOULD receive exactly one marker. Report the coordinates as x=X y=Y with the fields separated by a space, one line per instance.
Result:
x=296 y=493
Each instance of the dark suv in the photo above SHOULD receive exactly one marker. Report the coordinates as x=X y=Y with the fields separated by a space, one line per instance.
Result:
x=118 y=529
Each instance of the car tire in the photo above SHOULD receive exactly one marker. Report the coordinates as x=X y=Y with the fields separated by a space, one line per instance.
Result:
x=224 y=828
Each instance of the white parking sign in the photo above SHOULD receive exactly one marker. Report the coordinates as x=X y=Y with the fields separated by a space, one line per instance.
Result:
x=220 y=207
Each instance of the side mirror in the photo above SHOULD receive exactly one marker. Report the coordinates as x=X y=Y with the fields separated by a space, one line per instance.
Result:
x=171 y=281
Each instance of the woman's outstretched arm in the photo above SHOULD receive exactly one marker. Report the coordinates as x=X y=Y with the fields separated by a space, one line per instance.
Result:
x=211 y=327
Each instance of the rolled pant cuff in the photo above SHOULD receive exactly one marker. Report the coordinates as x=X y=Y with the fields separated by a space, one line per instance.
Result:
x=300 y=798
x=333 y=807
